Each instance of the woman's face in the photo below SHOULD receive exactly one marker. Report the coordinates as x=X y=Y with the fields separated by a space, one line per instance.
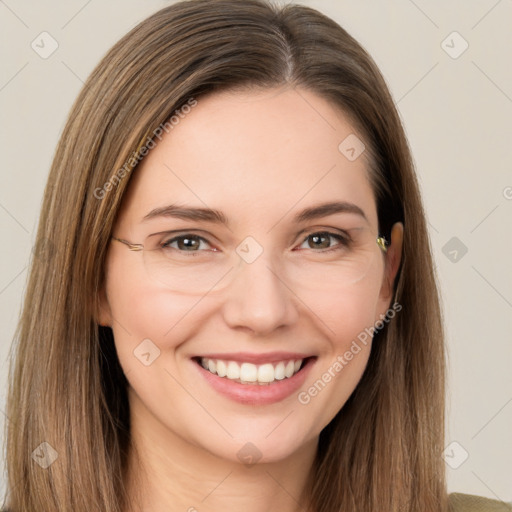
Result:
x=257 y=290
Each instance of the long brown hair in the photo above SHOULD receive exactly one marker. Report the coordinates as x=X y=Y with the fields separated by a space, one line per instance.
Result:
x=66 y=387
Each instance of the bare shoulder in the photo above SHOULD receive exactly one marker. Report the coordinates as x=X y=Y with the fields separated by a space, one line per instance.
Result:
x=468 y=503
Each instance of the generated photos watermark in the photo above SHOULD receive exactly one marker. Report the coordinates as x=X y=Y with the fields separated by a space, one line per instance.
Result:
x=137 y=156
x=304 y=397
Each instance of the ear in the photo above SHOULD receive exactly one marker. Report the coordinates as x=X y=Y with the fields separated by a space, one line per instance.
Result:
x=393 y=259
x=103 y=315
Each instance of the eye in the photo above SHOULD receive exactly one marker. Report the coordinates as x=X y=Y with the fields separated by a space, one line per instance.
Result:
x=322 y=240
x=186 y=243
x=191 y=243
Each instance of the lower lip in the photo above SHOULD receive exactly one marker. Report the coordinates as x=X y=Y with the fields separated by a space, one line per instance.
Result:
x=256 y=394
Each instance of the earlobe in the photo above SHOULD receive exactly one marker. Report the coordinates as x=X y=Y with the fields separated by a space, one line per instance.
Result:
x=393 y=259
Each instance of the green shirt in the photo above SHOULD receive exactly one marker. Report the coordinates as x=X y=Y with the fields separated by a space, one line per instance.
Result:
x=469 y=503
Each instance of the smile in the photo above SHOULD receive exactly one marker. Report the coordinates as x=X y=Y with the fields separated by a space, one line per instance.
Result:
x=249 y=373
x=255 y=379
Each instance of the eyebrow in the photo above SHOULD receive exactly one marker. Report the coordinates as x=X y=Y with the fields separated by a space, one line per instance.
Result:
x=325 y=209
x=218 y=217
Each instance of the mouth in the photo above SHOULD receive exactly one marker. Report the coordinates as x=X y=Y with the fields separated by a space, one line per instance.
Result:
x=255 y=379
x=249 y=373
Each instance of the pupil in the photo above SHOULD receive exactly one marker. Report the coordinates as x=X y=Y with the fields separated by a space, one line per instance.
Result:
x=317 y=238
x=188 y=243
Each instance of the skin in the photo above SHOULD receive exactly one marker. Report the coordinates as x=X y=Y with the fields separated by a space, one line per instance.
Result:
x=260 y=157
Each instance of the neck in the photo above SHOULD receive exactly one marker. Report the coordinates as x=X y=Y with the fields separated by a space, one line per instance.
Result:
x=167 y=473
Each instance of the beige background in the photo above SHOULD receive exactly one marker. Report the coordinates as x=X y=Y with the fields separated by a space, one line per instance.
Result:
x=457 y=113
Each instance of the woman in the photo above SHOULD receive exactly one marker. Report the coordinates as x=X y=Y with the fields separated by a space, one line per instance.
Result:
x=294 y=360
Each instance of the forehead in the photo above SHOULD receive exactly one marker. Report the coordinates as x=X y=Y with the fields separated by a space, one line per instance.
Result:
x=253 y=155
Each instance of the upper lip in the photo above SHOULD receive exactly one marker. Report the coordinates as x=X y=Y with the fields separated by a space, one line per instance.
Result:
x=249 y=357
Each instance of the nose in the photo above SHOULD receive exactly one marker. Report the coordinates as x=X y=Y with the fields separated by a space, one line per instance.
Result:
x=258 y=298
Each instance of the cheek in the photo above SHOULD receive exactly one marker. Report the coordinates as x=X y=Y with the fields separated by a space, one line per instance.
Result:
x=346 y=313
x=348 y=319
x=143 y=310
x=149 y=324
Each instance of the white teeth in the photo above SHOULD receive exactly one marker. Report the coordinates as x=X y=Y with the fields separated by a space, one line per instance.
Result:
x=266 y=373
x=248 y=372
x=288 y=371
x=252 y=373
x=279 y=371
x=221 y=368
x=233 y=371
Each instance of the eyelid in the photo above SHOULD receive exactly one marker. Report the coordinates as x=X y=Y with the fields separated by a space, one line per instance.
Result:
x=330 y=230
x=176 y=233
x=325 y=229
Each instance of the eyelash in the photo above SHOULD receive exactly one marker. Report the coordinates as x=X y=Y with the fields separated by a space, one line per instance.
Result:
x=344 y=240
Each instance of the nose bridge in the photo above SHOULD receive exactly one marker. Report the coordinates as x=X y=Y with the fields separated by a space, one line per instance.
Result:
x=258 y=297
